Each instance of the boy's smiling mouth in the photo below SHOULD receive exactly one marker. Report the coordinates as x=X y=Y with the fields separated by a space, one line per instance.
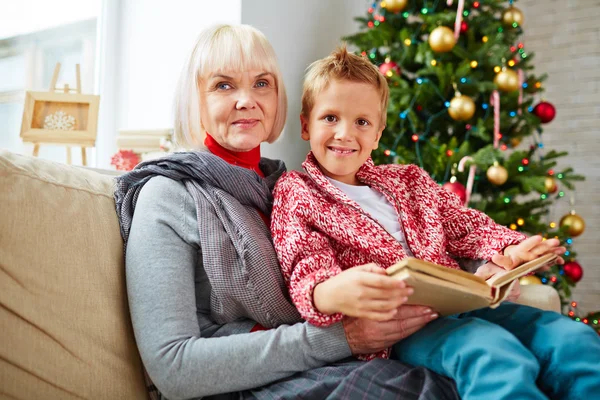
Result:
x=341 y=150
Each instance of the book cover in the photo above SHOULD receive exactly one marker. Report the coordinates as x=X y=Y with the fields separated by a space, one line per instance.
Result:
x=450 y=291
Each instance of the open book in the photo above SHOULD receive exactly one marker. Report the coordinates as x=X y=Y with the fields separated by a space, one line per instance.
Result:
x=450 y=291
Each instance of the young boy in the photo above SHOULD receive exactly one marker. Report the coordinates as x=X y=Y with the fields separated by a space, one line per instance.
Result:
x=337 y=226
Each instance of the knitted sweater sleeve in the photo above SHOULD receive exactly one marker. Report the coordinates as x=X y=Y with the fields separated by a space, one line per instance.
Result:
x=470 y=233
x=305 y=254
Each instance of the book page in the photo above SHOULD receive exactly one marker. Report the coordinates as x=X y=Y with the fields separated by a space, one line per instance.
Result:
x=524 y=269
x=439 y=271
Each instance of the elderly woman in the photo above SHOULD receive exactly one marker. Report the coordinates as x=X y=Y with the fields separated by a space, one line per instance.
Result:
x=210 y=310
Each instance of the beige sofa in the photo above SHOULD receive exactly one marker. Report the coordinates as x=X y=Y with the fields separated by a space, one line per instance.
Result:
x=65 y=329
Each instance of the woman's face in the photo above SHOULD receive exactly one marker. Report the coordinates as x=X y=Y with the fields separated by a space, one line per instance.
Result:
x=238 y=108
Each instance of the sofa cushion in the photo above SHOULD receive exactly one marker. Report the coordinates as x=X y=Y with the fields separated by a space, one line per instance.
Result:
x=64 y=318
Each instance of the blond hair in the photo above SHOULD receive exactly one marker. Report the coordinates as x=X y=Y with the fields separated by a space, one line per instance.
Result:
x=341 y=65
x=223 y=48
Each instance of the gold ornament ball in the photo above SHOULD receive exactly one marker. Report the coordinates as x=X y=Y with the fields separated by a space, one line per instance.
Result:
x=497 y=174
x=394 y=5
x=512 y=15
x=550 y=184
x=576 y=224
x=530 y=280
x=514 y=142
x=507 y=80
x=441 y=39
x=461 y=108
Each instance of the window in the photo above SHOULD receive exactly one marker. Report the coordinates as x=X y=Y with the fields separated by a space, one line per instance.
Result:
x=29 y=51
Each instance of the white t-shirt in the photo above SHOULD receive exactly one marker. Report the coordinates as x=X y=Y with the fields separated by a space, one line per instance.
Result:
x=378 y=207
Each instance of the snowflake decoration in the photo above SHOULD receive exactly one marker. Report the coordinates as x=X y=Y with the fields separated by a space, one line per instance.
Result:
x=60 y=121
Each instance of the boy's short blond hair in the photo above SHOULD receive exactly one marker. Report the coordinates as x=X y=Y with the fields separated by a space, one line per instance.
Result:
x=342 y=65
x=223 y=48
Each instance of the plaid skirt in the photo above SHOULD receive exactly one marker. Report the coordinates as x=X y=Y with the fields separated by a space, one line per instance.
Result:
x=352 y=379
x=379 y=379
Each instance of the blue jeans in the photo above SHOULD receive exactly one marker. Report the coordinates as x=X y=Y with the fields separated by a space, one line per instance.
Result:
x=513 y=352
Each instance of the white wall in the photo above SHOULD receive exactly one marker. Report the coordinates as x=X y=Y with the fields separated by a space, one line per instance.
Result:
x=565 y=37
x=301 y=31
x=144 y=59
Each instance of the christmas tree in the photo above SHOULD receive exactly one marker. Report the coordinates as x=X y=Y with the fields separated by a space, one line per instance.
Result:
x=463 y=99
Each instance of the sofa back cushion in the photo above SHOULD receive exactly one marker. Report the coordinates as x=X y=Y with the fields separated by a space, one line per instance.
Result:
x=65 y=328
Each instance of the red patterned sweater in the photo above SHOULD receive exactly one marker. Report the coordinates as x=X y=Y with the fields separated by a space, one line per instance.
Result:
x=319 y=232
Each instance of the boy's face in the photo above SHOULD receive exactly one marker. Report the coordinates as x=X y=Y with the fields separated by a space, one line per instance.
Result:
x=343 y=128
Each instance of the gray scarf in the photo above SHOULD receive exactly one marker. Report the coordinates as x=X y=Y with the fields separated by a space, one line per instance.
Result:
x=243 y=270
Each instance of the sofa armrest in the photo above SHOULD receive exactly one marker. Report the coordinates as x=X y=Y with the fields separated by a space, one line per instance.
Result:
x=65 y=326
x=101 y=171
x=540 y=296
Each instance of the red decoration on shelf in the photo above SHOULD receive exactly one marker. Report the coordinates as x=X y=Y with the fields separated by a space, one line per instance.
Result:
x=457 y=188
x=573 y=270
x=545 y=112
x=125 y=160
x=389 y=66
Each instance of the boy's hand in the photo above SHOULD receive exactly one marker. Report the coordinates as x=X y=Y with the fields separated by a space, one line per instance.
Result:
x=365 y=291
x=529 y=249
x=489 y=270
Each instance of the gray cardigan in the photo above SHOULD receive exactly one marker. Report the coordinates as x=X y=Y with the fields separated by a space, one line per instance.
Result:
x=186 y=354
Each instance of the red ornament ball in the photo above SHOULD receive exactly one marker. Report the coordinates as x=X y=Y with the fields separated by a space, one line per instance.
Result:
x=464 y=27
x=545 y=112
x=457 y=188
x=388 y=68
x=573 y=270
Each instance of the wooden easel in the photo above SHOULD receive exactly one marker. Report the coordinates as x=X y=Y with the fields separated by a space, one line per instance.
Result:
x=65 y=89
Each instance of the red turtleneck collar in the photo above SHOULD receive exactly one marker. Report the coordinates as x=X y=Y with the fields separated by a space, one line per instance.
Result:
x=245 y=159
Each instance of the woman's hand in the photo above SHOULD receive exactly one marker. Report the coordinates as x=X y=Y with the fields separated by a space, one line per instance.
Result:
x=529 y=249
x=366 y=336
x=365 y=291
x=486 y=271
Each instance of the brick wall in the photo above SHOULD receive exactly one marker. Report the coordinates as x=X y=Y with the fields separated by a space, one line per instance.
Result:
x=565 y=37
